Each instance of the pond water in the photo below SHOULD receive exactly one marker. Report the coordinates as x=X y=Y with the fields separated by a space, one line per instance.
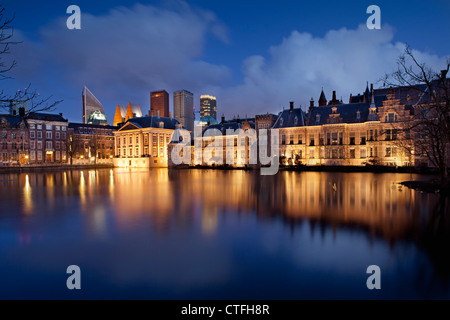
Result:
x=212 y=234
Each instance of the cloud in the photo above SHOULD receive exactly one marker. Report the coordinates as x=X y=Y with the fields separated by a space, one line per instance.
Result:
x=297 y=68
x=128 y=52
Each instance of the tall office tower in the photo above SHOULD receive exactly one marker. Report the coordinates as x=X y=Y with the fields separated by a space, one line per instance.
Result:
x=93 y=112
x=159 y=101
x=183 y=108
x=208 y=106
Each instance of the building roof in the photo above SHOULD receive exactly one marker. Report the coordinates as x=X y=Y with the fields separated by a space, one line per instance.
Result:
x=290 y=118
x=322 y=97
x=14 y=121
x=348 y=113
x=223 y=127
x=45 y=117
x=97 y=126
x=153 y=122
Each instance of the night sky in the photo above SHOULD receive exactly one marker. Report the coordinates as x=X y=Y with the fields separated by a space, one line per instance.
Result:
x=254 y=56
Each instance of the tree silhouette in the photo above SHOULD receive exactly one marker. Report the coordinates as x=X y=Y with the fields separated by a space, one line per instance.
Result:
x=27 y=96
x=427 y=132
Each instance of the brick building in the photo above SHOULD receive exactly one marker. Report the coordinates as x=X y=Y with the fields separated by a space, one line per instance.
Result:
x=90 y=144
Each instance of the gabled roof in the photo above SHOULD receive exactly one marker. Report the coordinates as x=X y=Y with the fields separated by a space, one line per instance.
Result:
x=130 y=126
x=290 y=118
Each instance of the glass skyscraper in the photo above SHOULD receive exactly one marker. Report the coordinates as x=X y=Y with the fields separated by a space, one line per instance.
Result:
x=208 y=106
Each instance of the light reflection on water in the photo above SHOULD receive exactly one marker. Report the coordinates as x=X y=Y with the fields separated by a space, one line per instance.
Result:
x=220 y=234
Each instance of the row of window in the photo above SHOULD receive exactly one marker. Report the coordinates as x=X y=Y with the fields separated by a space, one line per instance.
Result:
x=35 y=156
x=136 y=138
x=137 y=153
x=363 y=153
x=336 y=138
x=48 y=135
x=13 y=135
x=99 y=131
x=47 y=127
x=48 y=145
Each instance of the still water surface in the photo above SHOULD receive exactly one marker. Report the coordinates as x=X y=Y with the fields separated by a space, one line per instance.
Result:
x=207 y=234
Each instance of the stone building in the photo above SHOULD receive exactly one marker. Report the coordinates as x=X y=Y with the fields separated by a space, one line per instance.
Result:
x=226 y=143
x=358 y=133
x=143 y=142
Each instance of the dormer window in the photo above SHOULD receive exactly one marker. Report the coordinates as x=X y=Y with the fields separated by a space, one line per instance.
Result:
x=317 y=118
x=295 y=121
x=161 y=124
x=281 y=122
x=391 y=117
x=358 y=115
x=334 y=110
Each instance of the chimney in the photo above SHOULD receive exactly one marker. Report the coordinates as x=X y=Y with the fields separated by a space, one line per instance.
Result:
x=223 y=119
x=61 y=114
x=444 y=74
x=311 y=103
x=334 y=95
x=292 y=105
x=371 y=87
x=22 y=111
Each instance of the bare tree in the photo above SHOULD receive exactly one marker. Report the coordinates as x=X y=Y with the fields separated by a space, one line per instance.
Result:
x=21 y=97
x=427 y=132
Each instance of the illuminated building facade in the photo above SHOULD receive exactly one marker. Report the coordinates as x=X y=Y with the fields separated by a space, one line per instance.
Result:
x=143 y=142
x=36 y=139
x=208 y=106
x=367 y=131
x=357 y=134
x=90 y=144
x=159 y=103
x=216 y=144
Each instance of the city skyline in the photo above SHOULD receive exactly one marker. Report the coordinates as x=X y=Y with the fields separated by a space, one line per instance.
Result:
x=212 y=54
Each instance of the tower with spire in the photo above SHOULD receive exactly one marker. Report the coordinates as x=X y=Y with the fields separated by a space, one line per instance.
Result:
x=372 y=108
x=322 y=99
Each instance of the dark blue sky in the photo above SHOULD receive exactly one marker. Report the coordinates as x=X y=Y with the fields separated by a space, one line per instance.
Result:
x=241 y=53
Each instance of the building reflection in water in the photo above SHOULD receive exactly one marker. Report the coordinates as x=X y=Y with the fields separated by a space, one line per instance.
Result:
x=126 y=198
